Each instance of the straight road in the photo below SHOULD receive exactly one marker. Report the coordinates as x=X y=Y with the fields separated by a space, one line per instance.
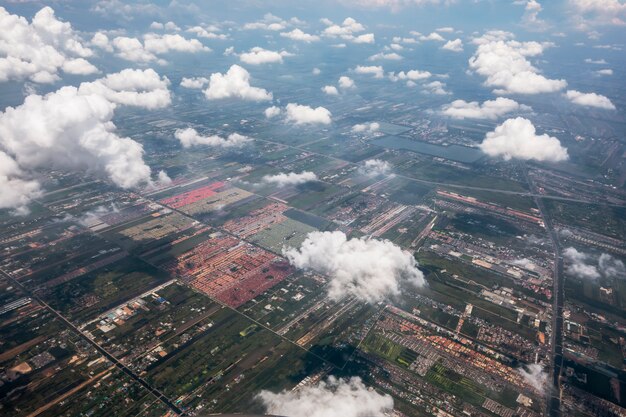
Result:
x=553 y=404
x=158 y=394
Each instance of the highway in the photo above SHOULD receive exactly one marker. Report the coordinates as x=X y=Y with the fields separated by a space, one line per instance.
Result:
x=158 y=394
x=553 y=403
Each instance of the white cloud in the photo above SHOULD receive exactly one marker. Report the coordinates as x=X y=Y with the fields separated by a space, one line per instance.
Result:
x=577 y=266
x=490 y=109
x=190 y=137
x=302 y=115
x=376 y=71
x=290 y=179
x=365 y=38
x=207 y=33
x=269 y=22
x=435 y=87
x=375 y=167
x=330 y=398
x=132 y=49
x=194 y=82
x=505 y=65
x=399 y=39
x=610 y=267
x=72 y=129
x=595 y=61
x=445 y=29
x=272 y=112
x=234 y=84
x=345 y=82
x=535 y=376
x=331 y=90
x=383 y=56
x=368 y=269
x=607 y=266
x=161 y=44
x=454 y=46
x=316 y=71
x=347 y=30
x=589 y=100
x=16 y=189
x=366 y=127
x=299 y=35
x=531 y=19
x=101 y=41
x=258 y=56
x=412 y=75
x=434 y=36
x=39 y=50
x=598 y=13
x=141 y=88
x=517 y=138
x=606 y=71
x=171 y=26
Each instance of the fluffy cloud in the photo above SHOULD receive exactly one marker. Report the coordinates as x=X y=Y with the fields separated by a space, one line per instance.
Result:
x=39 y=50
x=331 y=90
x=141 y=88
x=345 y=82
x=606 y=71
x=505 y=65
x=368 y=269
x=194 y=82
x=347 y=30
x=589 y=100
x=490 y=109
x=132 y=49
x=167 y=26
x=258 y=56
x=383 y=56
x=375 y=167
x=434 y=36
x=290 y=179
x=330 y=398
x=598 y=12
x=190 y=137
x=531 y=19
x=234 y=84
x=578 y=265
x=376 y=71
x=16 y=190
x=412 y=75
x=535 y=376
x=302 y=115
x=366 y=127
x=72 y=129
x=298 y=35
x=610 y=267
x=433 y=87
x=272 y=112
x=454 y=46
x=517 y=138
x=269 y=22
x=207 y=33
